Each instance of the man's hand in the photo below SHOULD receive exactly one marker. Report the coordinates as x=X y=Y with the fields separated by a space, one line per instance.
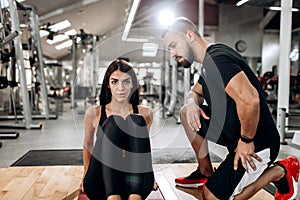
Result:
x=193 y=112
x=245 y=152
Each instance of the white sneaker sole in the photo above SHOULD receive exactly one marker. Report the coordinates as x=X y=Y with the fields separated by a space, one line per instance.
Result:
x=192 y=185
x=295 y=185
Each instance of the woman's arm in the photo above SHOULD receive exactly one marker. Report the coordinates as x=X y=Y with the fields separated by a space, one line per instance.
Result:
x=90 y=125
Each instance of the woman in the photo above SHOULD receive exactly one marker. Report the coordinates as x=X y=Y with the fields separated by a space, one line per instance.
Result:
x=119 y=165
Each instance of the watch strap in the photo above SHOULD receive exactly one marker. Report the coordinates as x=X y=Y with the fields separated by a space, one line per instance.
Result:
x=246 y=139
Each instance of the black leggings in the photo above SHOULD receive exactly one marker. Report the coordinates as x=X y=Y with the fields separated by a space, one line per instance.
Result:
x=121 y=161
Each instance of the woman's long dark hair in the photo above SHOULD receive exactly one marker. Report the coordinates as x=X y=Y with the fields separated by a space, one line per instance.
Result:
x=123 y=66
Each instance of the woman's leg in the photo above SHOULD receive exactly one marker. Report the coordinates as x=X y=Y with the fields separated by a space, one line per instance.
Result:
x=93 y=183
x=134 y=197
x=141 y=181
x=114 y=197
x=110 y=156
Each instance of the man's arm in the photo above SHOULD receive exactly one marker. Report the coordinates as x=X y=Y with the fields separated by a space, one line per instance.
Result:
x=247 y=102
x=195 y=94
x=193 y=111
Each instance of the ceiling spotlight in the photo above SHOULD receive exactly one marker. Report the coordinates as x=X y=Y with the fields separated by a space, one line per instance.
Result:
x=294 y=55
x=71 y=32
x=43 y=33
x=166 y=17
x=276 y=8
x=241 y=2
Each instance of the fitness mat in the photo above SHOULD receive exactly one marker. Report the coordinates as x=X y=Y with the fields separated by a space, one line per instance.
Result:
x=50 y=157
x=74 y=157
x=178 y=155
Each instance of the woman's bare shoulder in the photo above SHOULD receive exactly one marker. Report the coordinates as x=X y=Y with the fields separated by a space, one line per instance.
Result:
x=92 y=116
x=93 y=111
x=145 y=111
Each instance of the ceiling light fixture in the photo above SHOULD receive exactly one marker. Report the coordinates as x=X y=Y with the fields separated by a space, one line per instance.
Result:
x=149 y=49
x=60 y=25
x=57 y=38
x=71 y=32
x=43 y=33
x=130 y=18
x=294 y=55
x=241 y=2
x=166 y=17
x=137 y=40
x=276 y=8
x=64 y=45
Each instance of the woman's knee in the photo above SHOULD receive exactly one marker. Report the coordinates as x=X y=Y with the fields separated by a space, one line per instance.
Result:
x=134 y=197
x=114 y=197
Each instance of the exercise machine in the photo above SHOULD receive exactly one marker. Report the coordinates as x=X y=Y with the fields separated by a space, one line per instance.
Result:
x=16 y=58
x=178 y=87
x=4 y=83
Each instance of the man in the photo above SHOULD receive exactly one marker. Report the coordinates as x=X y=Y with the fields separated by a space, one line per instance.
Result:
x=236 y=116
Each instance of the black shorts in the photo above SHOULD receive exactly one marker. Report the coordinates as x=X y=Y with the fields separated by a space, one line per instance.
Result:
x=102 y=181
x=226 y=182
x=225 y=179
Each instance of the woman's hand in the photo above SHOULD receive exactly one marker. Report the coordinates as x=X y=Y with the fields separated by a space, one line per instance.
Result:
x=81 y=187
x=82 y=195
x=155 y=186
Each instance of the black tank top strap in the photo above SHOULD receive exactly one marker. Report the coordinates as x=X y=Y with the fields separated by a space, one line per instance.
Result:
x=103 y=115
x=135 y=109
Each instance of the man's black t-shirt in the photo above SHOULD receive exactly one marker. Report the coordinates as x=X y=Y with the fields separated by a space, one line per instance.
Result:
x=220 y=64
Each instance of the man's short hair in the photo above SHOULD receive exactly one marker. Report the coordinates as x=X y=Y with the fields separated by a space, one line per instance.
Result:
x=182 y=25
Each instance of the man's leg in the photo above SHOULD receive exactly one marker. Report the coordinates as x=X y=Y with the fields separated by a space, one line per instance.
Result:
x=199 y=144
x=284 y=175
x=272 y=174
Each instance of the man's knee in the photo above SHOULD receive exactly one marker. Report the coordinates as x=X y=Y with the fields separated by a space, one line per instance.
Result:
x=207 y=195
x=183 y=114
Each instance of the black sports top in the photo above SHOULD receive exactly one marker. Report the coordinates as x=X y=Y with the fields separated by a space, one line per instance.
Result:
x=221 y=63
x=103 y=116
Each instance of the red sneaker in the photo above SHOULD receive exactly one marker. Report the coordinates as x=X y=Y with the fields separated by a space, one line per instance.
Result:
x=287 y=187
x=194 y=180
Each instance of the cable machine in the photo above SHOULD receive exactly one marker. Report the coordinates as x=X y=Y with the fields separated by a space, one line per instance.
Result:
x=33 y=49
x=6 y=82
x=36 y=44
x=18 y=60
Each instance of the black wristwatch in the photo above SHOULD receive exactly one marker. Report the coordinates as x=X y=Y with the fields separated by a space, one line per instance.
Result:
x=246 y=139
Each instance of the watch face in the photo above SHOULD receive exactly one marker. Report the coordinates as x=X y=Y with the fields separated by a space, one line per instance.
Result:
x=241 y=46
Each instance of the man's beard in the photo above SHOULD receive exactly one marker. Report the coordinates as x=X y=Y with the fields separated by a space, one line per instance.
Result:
x=188 y=62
